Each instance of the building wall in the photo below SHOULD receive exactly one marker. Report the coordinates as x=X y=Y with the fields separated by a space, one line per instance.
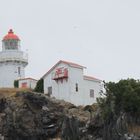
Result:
x=30 y=83
x=12 y=65
x=76 y=77
x=60 y=90
x=33 y=84
x=9 y=73
x=88 y=85
x=66 y=90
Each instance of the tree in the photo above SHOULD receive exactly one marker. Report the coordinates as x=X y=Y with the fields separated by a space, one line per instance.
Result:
x=39 y=86
x=16 y=84
x=123 y=96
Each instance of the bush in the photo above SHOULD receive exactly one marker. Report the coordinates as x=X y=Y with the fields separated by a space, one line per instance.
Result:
x=16 y=84
x=40 y=86
x=123 y=96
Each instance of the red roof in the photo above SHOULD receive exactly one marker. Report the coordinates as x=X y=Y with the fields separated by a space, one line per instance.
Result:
x=91 y=78
x=65 y=62
x=11 y=35
x=28 y=79
x=72 y=64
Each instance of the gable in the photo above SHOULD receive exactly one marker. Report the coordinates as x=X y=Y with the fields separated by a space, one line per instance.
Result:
x=63 y=63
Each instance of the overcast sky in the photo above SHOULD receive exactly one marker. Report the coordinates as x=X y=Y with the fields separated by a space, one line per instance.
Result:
x=103 y=35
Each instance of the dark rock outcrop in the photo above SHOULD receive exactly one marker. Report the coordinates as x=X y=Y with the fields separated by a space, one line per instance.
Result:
x=123 y=127
x=29 y=116
x=33 y=116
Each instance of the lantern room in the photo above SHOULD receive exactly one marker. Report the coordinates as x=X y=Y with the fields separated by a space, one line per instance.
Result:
x=11 y=41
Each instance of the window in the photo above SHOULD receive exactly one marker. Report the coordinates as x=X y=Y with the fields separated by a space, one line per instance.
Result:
x=11 y=43
x=91 y=93
x=18 y=70
x=76 y=87
x=49 y=91
x=6 y=44
x=15 y=43
x=24 y=85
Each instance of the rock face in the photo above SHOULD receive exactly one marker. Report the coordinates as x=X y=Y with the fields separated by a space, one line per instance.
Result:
x=33 y=116
x=123 y=127
x=29 y=116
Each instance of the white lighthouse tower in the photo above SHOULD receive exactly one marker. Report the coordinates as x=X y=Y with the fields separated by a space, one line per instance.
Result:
x=12 y=60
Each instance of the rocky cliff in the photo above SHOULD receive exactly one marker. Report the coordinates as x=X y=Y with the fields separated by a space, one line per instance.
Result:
x=27 y=115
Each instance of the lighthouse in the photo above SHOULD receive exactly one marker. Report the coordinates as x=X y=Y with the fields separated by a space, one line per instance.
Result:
x=12 y=60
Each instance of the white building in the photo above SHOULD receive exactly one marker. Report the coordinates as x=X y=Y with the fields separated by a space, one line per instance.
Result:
x=27 y=83
x=65 y=80
x=12 y=60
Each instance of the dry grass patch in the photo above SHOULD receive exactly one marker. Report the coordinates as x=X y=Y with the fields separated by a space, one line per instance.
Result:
x=8 y=92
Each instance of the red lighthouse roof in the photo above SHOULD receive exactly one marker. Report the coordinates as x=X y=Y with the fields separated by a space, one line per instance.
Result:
x=11 y=35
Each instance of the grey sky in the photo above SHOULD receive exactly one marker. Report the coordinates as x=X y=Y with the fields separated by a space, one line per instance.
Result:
x=103 y=35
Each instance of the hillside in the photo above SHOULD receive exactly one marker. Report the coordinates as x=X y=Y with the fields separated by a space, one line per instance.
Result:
x=33 y=116
x=8 y=92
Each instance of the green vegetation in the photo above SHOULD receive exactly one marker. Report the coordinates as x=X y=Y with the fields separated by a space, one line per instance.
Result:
x=40 y=86
x=123 y=96
x=16 y=83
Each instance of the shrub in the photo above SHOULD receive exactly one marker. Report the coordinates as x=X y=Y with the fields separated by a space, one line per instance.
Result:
x=39 y=86
x=16 y=84
x=123 y=96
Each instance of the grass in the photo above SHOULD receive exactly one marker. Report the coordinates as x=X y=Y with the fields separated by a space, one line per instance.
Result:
x=8 y=92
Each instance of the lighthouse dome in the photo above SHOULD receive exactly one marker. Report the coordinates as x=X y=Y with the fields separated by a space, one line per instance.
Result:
x=10 y=36
x=11 y=41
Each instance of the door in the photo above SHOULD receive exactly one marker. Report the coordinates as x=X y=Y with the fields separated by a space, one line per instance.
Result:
x=49 y=91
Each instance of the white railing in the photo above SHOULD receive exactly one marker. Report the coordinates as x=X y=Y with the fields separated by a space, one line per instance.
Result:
x=13 y=56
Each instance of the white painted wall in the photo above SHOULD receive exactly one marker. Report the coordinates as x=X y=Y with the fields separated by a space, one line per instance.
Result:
x=90 y=84
x=31 y=83
x=9 y=63
x=59 y=90
x=9 y=73
x=76 y=76
x=67 y=89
